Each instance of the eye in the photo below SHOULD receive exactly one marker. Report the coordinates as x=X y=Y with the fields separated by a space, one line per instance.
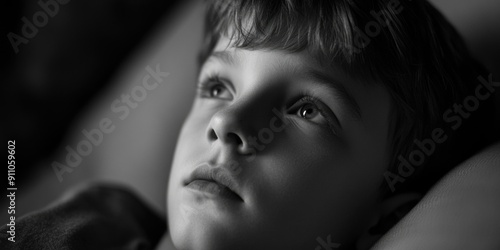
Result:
x=308 y=108
x=308 y=111
x=214 y=88
x=219 y=91
x=315 y=111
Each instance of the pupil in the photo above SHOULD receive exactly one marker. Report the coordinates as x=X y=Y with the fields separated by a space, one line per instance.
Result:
x=307 y=110
x=216 y=91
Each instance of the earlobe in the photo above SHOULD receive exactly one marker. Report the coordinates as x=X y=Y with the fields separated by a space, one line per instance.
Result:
x=389 y=213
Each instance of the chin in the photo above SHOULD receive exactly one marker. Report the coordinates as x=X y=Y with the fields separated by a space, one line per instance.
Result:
x=198 y=236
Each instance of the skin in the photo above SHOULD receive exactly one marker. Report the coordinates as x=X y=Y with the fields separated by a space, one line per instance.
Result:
x=317 y=177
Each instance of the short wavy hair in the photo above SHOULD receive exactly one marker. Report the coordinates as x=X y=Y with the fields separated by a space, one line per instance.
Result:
x=405 y=45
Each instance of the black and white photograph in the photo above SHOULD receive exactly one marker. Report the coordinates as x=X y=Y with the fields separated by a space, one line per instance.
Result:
x=250 y=125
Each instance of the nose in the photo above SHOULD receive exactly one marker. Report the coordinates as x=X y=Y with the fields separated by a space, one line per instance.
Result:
x=229 y=126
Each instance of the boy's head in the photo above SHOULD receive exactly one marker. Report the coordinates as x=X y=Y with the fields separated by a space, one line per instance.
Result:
x=302 y=107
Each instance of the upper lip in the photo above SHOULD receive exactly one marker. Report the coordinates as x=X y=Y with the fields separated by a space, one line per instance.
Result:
x=216 y=174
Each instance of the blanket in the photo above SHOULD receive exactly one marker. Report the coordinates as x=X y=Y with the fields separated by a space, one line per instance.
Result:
x=97 y=216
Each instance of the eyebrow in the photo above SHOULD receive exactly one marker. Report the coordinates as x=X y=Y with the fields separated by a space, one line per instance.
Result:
x=226 y=57
x=319 y=77
x=337 y=88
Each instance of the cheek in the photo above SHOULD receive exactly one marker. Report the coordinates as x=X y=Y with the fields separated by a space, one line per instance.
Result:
x=372 y=151
x=189 y=144
x=193 y=135
x=312 y=183
x=301 y=164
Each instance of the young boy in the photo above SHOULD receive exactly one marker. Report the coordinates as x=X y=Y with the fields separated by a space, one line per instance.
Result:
x=305 y=114
x=308 y=120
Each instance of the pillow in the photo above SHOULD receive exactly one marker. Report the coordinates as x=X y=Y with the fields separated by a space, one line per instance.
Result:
x=462 y=211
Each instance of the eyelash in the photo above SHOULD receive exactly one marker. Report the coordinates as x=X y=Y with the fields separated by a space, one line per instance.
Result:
x=205 y=87
x=308 y=99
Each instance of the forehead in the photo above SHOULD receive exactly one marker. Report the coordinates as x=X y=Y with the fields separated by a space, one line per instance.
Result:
x=233 y=55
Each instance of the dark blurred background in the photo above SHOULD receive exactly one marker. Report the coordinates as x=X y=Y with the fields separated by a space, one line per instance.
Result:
x=47 y=84
x=62 y=77
x=90 y=52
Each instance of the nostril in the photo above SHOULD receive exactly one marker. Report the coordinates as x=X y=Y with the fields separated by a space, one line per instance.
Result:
x=234 y=138
x=212 y=136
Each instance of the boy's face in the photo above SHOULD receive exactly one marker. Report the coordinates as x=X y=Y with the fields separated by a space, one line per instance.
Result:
x=303 y=148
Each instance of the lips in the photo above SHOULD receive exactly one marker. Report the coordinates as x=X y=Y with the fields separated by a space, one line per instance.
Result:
x=215 y=180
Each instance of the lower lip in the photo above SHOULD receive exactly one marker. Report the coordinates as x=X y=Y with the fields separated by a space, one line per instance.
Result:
x=212 y=188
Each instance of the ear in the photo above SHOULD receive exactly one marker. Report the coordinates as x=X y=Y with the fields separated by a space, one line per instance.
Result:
x=386 y=215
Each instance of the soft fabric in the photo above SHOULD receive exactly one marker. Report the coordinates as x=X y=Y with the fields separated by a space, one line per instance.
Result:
x=461 y=212
x=91 y=217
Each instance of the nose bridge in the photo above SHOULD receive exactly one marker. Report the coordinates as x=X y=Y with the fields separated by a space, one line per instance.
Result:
x=233 y=118
x=237 y=121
